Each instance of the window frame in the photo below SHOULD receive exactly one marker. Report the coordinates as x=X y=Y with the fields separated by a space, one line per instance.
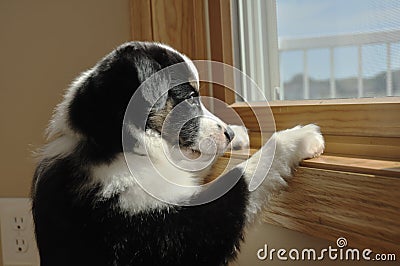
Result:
x=363 y=137
x=375 y=130
x=255 y=43
x=199 y=40
x=267 y=75
x=364 y=128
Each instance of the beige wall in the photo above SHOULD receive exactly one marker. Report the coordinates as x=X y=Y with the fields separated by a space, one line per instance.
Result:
x=44 y=44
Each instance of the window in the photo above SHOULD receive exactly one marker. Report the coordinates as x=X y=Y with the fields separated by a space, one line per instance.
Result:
x=313 y=49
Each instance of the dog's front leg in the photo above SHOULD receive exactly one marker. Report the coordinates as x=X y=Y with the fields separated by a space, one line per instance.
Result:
x=286 y=149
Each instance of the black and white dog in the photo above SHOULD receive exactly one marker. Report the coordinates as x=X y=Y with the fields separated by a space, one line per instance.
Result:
x=90 y=203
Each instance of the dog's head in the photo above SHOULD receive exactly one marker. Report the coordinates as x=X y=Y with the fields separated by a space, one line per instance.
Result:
x=95 y=106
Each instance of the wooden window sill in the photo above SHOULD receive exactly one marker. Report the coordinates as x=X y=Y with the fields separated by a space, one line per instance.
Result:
x=387 y=168
x=334 y=196
x=354 y=165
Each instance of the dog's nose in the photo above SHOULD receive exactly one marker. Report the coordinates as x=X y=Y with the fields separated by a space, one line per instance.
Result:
x=229 y=134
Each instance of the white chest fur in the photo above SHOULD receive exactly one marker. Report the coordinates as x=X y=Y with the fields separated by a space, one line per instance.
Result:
x=145 y=182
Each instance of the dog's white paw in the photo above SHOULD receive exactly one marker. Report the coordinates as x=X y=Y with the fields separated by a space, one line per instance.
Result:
x=311 y=141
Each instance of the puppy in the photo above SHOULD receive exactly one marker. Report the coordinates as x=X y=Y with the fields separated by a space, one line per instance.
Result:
x=106 y=191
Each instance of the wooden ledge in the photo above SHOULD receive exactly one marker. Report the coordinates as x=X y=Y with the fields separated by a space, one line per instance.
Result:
x=339 y=163
x=355 y=165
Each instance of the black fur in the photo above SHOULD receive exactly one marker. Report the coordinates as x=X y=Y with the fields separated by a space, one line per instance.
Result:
x=98 y=107
x=75 y=226
x=82 y=229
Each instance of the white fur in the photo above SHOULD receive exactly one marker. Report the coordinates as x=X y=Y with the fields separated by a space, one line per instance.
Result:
x=58 y=123
x=56 y=149
x=211 y=139
x=146 y=182
x=60 y=147
x=291 y=147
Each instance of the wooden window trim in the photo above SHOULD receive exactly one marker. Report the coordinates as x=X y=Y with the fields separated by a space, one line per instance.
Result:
x=363 y=128
x=219 y=13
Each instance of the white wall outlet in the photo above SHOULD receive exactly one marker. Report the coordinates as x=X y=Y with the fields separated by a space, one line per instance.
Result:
x=18 y=222
x=21 y=245
x=17 y=232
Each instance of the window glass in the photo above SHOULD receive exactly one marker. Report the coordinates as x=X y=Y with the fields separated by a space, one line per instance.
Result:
x=338 y=49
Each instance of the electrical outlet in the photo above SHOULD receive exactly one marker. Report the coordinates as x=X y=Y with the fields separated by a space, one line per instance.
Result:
x=17 y=232
x=21 y=245
x=18 y=222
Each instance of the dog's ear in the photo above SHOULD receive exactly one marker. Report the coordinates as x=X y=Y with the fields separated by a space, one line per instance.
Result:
x=102 y=95
x=151 y=93
x=154 y=83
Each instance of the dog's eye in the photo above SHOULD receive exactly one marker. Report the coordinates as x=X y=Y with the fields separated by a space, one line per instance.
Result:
x=193 y=99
